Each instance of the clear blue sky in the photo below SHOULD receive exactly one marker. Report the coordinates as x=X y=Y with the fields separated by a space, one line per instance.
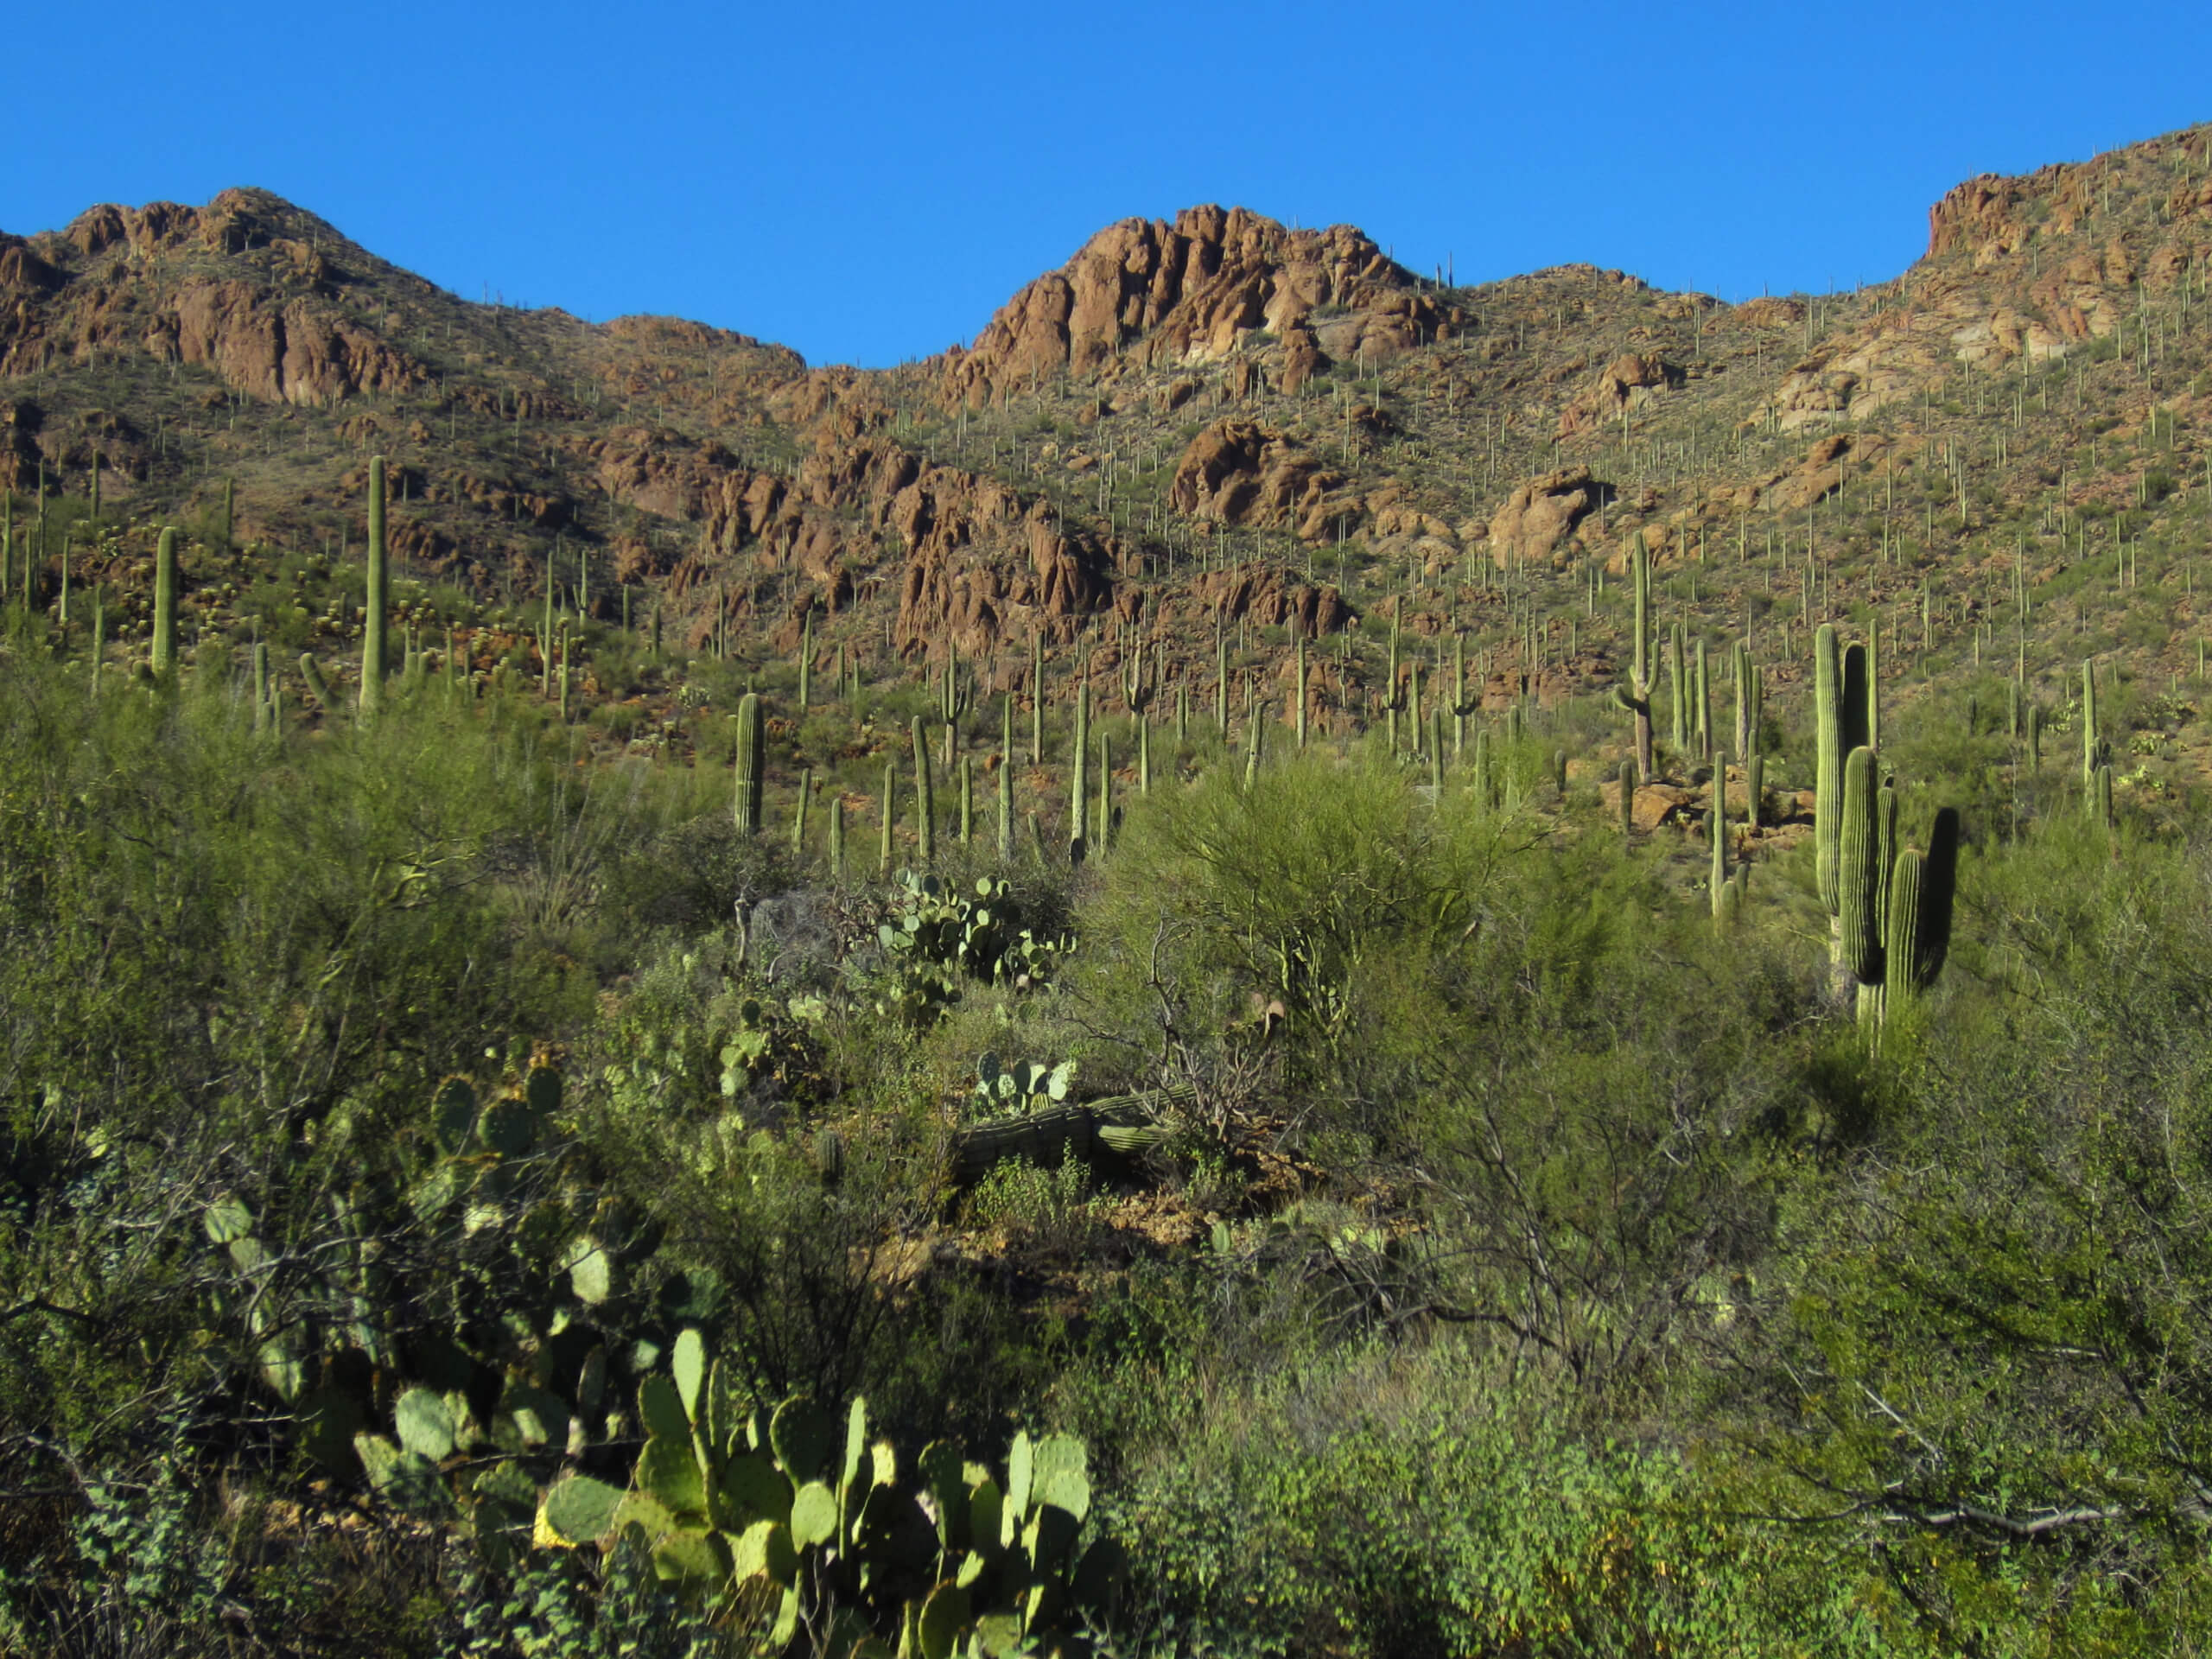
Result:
x=867 y=182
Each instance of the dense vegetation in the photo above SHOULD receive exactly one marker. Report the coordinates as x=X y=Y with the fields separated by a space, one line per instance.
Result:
x=410 y=1129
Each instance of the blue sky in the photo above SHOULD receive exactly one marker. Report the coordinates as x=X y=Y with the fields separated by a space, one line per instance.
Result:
x=867 y=182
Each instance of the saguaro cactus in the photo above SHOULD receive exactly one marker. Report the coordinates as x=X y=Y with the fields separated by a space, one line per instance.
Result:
x=890 y=815
x=1079 y=802
x=2091 y=752
x=1858 y=878
x=372 y=612
x=954 y=699
x=925 y=795
x=1917 y=937
x=1636 y=694
x=164 y=652
x=752 y=765
x=1841 y=704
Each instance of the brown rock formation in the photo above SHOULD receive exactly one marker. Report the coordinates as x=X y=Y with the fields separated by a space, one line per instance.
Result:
x=1543 y=514
x=1242 y=473
x=1164 y=294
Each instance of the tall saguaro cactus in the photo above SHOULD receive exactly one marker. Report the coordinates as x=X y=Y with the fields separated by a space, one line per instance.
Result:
x=1636 y=694
x=925 y=795
x=1841 y=699
x=372 y=613
x=2089 y=746
x=164 y=651
x=1078 y=804
x=752 y=765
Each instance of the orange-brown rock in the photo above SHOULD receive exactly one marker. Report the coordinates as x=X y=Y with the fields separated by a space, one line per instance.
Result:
x=1243 y=473
x=1540 y=516
x=290 y=351
x=1191 y=291
x=1628 y=382
x=1264 y=594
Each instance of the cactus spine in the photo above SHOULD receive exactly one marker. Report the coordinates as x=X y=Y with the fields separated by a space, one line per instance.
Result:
x=750 y=764
x=164 y=653
x=372 y=640
x=925 y=795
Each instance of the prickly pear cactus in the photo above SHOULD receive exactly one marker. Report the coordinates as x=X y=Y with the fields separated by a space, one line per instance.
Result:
x=800 y=1514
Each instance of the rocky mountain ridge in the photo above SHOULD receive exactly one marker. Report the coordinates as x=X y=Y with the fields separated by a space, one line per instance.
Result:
x=1193 y=422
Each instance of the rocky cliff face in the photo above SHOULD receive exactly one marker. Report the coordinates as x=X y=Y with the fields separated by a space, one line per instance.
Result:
x=1150 y=293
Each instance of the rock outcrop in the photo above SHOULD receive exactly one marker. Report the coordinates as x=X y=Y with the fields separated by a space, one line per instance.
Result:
x=1158 y=293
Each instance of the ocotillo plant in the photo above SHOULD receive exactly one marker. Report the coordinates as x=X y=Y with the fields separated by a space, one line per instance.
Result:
x=1636 y=694
x=372 y=641
x=924 y=796
x=164 y=650
x=752 y=765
